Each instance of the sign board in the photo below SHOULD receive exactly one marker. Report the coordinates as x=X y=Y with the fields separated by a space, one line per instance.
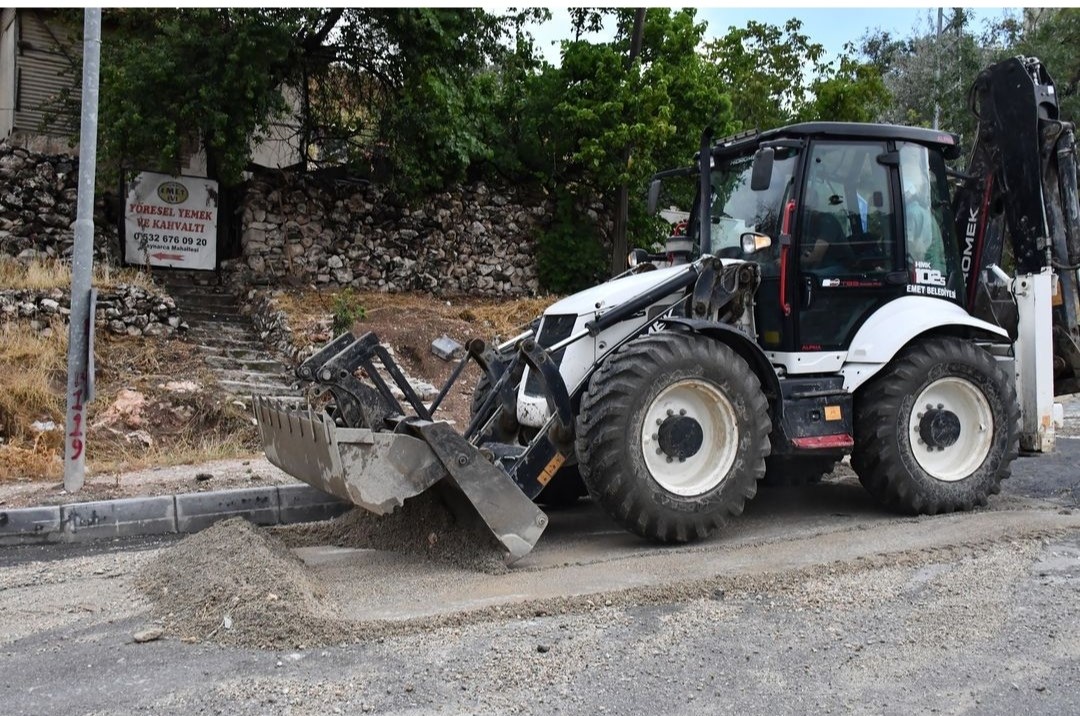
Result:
x=171 y=221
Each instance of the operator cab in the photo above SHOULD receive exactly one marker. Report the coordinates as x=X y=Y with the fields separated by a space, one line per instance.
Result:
x=855 y=215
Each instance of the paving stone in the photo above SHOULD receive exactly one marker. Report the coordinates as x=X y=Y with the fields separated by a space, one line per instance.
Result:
x=30 y=524
x=198 y=511
x=119 y=518
x=303 y=503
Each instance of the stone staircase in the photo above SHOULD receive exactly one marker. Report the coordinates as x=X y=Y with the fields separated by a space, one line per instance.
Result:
x=230 y=345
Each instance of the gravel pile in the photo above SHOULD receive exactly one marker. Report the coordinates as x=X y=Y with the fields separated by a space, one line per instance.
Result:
x=424 y=526
x=236 y=584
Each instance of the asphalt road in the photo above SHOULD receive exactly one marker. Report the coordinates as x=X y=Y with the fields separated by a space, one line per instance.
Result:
x=987 y=625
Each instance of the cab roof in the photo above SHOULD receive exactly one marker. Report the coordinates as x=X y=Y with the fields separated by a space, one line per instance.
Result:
x=947 y=142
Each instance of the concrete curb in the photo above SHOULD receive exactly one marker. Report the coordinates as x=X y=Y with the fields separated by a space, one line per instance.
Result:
x=166 y=514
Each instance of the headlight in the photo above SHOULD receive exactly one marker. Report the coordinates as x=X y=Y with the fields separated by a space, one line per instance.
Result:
x=753 y=242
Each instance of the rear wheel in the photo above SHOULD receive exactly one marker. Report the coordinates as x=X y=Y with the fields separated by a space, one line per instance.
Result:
x=938 y=429
x=672 y=436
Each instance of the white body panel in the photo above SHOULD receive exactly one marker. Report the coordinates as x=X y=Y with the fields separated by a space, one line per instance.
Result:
x=582 y=355
x=1035 y=361
x=594 y=301
x=894 y=325
x=795 y=363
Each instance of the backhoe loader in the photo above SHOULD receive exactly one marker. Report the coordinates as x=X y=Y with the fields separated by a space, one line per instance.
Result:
x=838 y=290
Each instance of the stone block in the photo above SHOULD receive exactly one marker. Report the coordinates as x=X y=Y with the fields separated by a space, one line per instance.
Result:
x=303 y=503
x=198 y=511
x=119 y=518
x=27 y=525
x=446 y=347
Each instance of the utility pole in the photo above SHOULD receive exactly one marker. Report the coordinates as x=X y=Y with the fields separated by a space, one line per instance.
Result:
x=937 y=71
x=619 y=247
x=80 y=378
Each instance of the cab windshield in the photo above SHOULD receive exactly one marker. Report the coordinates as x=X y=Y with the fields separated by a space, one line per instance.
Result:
x=736 y=209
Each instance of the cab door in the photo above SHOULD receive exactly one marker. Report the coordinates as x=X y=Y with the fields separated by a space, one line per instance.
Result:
x=850 y=259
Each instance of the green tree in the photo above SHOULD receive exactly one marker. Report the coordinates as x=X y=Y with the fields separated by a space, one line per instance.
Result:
x=854 y=92
x=173 y=81
x=924 y=71
x=426 y=79
x=575 y=125
x=768 y=70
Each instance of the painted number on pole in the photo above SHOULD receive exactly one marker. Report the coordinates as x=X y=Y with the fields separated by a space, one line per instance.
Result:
x=75 y=437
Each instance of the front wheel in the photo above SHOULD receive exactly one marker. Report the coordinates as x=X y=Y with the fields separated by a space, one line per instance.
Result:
x=672 y=435
x=937 y=430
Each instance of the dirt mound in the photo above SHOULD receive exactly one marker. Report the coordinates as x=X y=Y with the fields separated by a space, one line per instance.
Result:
x=237 y=584
x=424 y=526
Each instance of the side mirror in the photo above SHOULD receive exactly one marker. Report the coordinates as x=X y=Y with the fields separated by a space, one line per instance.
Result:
x=654 y=196
x=761 y=173
x=752 y=242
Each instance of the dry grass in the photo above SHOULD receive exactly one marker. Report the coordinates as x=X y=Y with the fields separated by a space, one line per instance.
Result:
x=46 y=274
x=503 y=317
x=32 y=386
x=185 y=428
x=190 y=448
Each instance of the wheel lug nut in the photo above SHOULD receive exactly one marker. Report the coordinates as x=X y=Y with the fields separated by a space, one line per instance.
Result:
x=682 y=459
x=669 y=459
x=682 y=412
x=659 y=451
x=659 y=421
x=921 y=441
x=940 y=406
x=670 y=412
x=919 y=415
x=929 y=407
x=655 y=436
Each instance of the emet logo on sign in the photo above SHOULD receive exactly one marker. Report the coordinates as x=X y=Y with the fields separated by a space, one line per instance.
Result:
x=172 y=192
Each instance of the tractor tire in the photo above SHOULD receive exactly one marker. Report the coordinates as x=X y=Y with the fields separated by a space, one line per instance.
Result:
x=672 y=436
x=796 y=471
x=937 y=430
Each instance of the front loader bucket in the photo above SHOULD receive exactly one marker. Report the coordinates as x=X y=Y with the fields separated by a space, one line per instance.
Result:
x=379 y=470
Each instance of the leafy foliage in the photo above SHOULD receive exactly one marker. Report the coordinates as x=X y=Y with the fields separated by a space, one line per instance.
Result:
x=172 y=80
x=425 y=79
x=346 y=311
x=569 y=255
x=597 y=122
x=854 y=92
x=768 y=70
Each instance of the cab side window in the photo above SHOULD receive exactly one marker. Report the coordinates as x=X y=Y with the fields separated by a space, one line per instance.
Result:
x=846 y=219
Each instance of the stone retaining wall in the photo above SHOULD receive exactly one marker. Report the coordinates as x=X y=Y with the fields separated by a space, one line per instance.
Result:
x=38 y=206
x=124 y=310
x=472 y=241
x=301 y=229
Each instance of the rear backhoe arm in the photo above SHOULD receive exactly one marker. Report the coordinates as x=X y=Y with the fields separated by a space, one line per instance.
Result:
x=1021 y=188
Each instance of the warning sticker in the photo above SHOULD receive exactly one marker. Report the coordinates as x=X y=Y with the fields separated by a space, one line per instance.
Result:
x=551 y=468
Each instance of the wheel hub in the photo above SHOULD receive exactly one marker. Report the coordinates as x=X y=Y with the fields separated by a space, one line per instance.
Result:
x=939 y=428
x=680 y=436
